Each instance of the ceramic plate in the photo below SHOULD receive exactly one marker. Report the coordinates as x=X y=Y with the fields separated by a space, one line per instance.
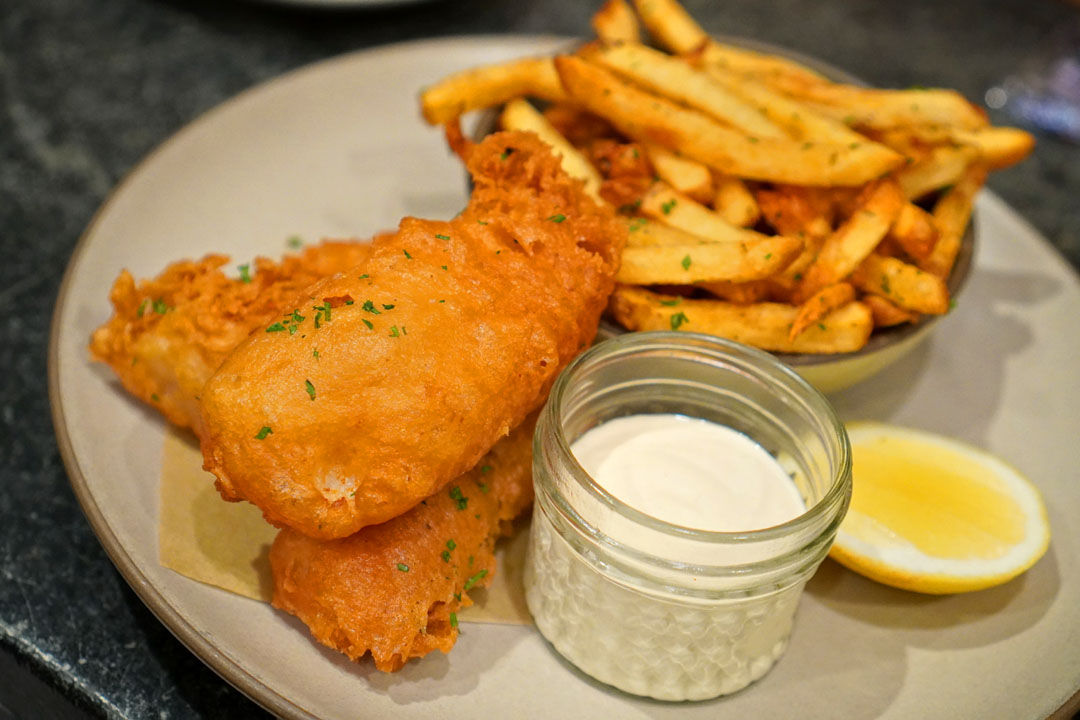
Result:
x=338 y=149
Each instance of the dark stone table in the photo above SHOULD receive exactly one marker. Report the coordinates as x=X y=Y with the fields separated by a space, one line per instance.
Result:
x=88 y=88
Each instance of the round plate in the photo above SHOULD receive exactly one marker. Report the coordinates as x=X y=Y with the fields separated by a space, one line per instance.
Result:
x=338 y=149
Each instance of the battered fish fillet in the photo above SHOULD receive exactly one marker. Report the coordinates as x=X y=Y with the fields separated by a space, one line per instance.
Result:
x=406 y=370
x=168 y=335
x=394 y=589
x=349 y=591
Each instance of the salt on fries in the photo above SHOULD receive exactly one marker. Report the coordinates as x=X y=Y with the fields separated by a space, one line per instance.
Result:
x=765 y=203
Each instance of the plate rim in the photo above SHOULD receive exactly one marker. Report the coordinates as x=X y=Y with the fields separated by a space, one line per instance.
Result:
x=224 y=666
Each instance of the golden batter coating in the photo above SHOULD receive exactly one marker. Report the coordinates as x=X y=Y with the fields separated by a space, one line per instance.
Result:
x=394 y=589
x=169 y=334
x=392 y=379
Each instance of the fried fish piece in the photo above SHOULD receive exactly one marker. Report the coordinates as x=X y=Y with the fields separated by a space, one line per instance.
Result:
x=169 y=334
x=394 y=589
x=406 y=370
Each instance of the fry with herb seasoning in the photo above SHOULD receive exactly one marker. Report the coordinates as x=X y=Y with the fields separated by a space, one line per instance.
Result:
x=525 y=271
x=353 y=594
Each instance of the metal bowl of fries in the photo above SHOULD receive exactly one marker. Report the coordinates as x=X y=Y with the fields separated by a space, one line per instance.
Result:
x=769 y=198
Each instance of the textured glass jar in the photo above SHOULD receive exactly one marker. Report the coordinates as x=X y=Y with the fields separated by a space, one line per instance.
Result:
x=657 y=609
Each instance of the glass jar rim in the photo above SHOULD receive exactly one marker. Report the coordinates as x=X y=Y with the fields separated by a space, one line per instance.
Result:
x=706 y=345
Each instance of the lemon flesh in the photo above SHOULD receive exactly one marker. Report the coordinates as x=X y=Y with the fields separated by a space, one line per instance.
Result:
x=933 y=515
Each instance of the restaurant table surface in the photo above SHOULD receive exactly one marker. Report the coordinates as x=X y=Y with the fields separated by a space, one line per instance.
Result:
x=88 y=89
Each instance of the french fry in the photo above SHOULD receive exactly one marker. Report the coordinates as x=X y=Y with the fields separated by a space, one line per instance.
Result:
x=885 y=313
x=669 y=23
x=576 y=125
x=998 y=147
x=677 y=80
x=488 y=86
x=748 y=62
x=822 y=303
x=914 y=231
x=877 y=108
x=649 y=118
x=734 y=201
x=662 y=202
x=520 y=115
x=796 y=119
x=855 y=239
x=952 y=213
x=703 y=260
x=944 y=166
x=904 y=285
x=687 y=176
x=740 y=293
x=616 y=22
x=763 y=325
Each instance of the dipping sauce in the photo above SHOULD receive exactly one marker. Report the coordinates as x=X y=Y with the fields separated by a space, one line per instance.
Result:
x=689 y=472
x=668 y=552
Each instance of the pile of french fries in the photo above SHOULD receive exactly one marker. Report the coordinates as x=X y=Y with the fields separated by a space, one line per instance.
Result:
x=765 y=203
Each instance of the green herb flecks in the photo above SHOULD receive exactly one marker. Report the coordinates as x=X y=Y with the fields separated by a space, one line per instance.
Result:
x=315 y=353
x=678 y=320
x=160 y=307
x=453 y=620
x=142 y=307
x=403 y=567
x=310 y=389
x=668 y=206
x=394 y=331
x=671 y=303
x=261 y=435
x=295 y=242
x=445 y=555
x=442 y=237
x=387 y=307
x=686 y=263
x=370 y=307
x=456 y=496
x=276 y=327
x=557 y=218
x=406 y=253
x=245 y=273
x=474 y=579
x=368 y=323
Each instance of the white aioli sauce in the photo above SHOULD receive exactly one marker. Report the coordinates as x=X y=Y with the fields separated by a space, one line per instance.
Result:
x=689 y=472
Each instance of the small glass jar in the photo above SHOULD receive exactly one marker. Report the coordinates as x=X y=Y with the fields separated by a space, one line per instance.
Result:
x=658 y=609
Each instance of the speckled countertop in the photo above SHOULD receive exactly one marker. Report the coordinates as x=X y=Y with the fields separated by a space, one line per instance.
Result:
x=87 y=89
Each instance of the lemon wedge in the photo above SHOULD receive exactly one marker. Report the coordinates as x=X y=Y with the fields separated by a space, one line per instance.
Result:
x=934 y=515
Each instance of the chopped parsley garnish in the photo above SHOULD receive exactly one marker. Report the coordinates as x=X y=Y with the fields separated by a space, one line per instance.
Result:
x=394 y=331
x=368 y=323
x=451 y=544
x=387 y=307
x=315 y=353
x=295 y=242
x=474 y=579
x=678 y=319
x=443 y=267
x=155 y=398
x=484 y=487
x=821 y=325
x=245 y=273
x=160 y=307
x=326 y=311
x=443 y=237
x=637 y=223
x=481 y=222
x=557 y=218
x=293 y=329
x=365 y=276
x=370 y=307
x=445 y=555
x=261 y=435
x=686 y=263
x=297 y=317
x=485 y=469
x=668 y=206
x=453 y=620
x=142 y=308
x=406 y=253
x=276 y=327
x=671 y=303
x=506 y=153
x=403 y=567
x=768 y=256
x=462 y=501
x=310 y=389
